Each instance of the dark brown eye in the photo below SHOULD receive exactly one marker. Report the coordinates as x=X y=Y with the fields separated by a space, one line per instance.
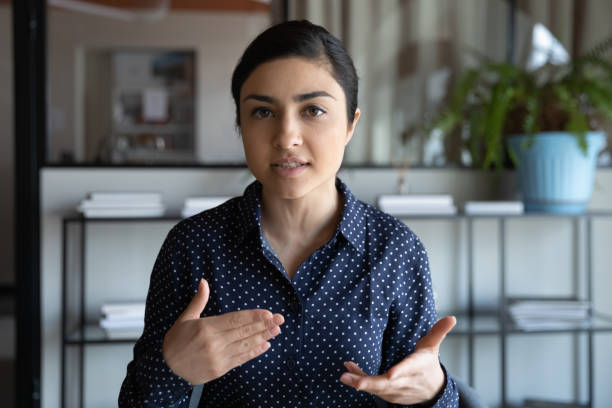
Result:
x=261 y=112
x=314 y=111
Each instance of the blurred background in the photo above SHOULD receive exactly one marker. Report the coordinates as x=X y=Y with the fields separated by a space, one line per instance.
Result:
x=138 y=99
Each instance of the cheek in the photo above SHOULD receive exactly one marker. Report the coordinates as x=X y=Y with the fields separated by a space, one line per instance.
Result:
x=252 y=150
x=333 y=143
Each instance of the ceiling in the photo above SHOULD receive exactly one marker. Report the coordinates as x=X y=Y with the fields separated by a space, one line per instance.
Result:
x=200 y=5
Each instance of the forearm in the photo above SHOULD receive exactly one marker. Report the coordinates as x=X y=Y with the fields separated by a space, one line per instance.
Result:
x=150 y=383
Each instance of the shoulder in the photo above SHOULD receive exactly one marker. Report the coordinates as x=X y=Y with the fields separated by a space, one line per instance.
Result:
x=388 y=229
x=394 y=249
x=213 y=222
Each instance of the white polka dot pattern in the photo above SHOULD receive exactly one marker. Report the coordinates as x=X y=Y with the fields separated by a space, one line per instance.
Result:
x=365 y=296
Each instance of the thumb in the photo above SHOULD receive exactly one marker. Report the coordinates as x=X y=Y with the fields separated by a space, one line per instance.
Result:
x=436 y=335
x=198 y=303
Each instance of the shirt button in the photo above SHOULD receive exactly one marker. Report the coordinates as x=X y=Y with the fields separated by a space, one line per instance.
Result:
x=291 y=364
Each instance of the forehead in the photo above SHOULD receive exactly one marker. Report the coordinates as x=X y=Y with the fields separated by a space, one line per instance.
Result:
x=290 y=76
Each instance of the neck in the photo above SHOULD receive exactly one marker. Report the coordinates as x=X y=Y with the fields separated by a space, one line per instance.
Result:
x=304 y=218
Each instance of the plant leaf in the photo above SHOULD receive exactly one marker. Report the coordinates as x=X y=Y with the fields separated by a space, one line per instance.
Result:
x=577 y=123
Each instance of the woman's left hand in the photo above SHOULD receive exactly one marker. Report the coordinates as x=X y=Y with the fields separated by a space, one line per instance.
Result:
x=416 y=379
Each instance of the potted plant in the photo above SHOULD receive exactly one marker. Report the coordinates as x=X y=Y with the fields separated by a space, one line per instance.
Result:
x=545 y=121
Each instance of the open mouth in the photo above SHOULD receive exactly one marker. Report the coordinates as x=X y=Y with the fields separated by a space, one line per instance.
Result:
x=289 y=165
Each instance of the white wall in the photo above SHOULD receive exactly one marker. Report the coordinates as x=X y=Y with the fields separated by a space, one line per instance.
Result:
x=539 y=262
x=217 y=38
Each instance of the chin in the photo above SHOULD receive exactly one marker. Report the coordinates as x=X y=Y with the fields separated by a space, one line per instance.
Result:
x=290 y=191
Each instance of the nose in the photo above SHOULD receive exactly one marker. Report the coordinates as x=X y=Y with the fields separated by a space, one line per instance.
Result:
x=288 y=134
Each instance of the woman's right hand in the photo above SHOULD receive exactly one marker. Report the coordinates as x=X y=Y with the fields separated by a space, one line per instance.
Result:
x=201 y=349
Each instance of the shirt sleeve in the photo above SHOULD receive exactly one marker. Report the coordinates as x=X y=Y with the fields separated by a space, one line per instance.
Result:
x=411 y=316
x=149 y=381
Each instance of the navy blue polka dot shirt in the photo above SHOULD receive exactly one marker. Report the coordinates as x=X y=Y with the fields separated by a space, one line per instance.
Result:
x=365 y=296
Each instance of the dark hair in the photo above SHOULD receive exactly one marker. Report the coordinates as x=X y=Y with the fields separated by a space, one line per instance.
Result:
x=298 y=39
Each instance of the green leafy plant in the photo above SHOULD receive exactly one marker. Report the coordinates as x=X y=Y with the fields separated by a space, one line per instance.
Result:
x=497 y=100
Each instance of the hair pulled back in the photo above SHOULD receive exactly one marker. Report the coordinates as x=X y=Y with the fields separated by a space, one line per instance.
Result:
x=298 y=38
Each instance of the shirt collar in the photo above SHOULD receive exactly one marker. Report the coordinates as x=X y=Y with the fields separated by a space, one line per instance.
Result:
x=352 y=224
x=353 y=221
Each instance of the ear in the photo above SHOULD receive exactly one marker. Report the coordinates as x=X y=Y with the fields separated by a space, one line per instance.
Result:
x=351 y=128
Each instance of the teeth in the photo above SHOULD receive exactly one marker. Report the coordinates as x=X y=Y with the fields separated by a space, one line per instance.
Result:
x=289 y=165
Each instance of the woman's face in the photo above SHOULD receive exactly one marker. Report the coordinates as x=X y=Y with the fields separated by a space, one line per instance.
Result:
x=294 y=126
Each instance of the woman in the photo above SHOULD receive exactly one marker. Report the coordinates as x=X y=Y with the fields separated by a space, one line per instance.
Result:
x=304 y=296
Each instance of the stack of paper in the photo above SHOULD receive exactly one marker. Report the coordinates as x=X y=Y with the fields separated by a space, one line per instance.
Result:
x=550 y=314
x=413 y=204
x=195 y=205
x=493 y=207
x=123 y=320
x=122 y=204
x=544 y=403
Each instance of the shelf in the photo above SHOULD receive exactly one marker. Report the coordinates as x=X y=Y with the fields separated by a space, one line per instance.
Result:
x=497 y=216
x=490 y=324
x=479 y=325
x=484 y=323
x=94 y=334
x=80 y=218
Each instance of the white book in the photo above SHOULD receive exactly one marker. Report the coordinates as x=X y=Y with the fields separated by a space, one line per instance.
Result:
x=494 y=207
x=542 y=324
x=124 y=212
x=421 y=199
x=405 y=212
x=544 y=304
x=125 y=196
x=123 y=307
x=122 y=324
x=205 y=202
x=123 y=311
x=559 y=314
x=88 y=204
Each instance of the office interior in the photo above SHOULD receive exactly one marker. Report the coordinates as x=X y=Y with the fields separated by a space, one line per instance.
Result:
x=137 y=99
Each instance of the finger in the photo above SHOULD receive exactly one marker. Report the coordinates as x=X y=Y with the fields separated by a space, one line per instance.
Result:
x=242 y=332
x=195 y=308
x=436 y=335
x=242 y=358
x=250 y=342
x=354 y=368
x=232 y=320
x=376 y=384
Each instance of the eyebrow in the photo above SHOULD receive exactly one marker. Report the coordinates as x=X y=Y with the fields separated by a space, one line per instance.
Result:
x=297 y=98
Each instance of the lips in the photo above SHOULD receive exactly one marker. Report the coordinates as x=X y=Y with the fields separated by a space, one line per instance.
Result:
x=290 y=163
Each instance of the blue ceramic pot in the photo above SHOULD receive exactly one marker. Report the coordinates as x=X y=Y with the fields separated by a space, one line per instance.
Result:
x=554 y=174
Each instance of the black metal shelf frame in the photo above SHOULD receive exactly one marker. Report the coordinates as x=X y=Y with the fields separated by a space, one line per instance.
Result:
x=474 y=323
x=506 y=327
x=76 y=337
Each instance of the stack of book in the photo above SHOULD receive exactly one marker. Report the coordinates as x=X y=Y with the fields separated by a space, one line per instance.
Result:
x=544 y=403
x=417 y=204
x=494 y=207
x=195 y=205
x=543 y=314
x=122 y=204
x=123 y=320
